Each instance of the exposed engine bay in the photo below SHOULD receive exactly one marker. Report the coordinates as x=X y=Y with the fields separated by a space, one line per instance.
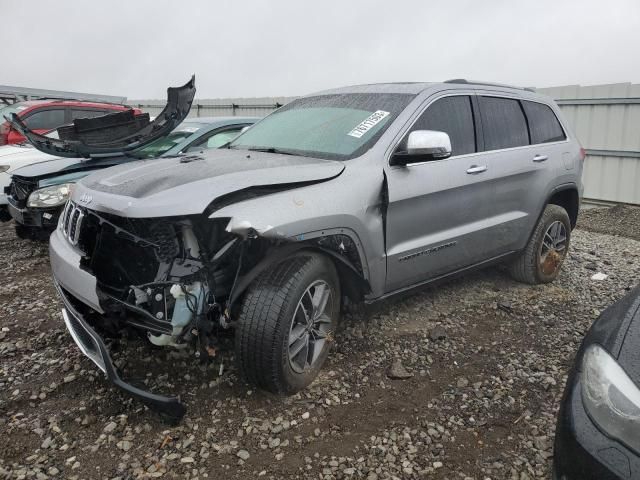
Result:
x=174 y=278
x=160 y=275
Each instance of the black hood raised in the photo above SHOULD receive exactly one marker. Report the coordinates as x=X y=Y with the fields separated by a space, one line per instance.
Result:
x=114 y=133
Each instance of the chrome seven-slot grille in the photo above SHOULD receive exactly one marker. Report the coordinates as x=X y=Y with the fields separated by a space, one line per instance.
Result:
x=72 y=216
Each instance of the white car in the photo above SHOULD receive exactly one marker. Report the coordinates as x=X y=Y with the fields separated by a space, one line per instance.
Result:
x=13 y=157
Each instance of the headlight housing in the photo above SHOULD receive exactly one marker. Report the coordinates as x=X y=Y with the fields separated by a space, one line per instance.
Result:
x=52 y=196
x=4 y=168
x=610 y=397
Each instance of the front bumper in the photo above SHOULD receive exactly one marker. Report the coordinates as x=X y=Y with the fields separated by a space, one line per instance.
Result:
x=46 y=218
x=582 y=451
x=5 y=181
x=76 y=285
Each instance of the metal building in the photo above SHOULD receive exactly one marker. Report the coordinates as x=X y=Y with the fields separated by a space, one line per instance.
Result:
x=606 y=119
x=9 y=95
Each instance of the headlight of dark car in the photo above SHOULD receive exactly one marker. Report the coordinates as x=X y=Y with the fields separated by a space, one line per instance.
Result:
x=610 y=397
x=52 y=196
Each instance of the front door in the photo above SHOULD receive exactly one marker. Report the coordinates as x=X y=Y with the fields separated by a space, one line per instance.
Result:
x=437 y=209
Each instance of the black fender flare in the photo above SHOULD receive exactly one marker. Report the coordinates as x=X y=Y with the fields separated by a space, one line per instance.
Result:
x=280 y=253
x=558 y=188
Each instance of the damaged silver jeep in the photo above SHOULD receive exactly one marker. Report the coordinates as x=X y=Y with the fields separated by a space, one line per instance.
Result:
x=344 y=196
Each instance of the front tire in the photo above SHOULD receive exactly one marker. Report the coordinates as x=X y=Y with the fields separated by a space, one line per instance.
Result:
x=541 y=260
x=287 y=322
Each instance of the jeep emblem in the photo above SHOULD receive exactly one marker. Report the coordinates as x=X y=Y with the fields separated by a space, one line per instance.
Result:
x=86 y=198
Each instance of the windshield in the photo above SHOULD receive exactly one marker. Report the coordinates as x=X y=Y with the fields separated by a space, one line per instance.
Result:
x=337 y=127
x=164 y=144
x=9 y=109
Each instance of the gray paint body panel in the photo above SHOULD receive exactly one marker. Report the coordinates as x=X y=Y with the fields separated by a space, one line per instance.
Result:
x=429 y=205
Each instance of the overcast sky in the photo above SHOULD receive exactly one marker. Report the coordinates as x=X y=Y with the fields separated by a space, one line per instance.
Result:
x=250 y=48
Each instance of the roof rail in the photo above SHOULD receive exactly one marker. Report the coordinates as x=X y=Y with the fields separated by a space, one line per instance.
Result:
x=489 y=84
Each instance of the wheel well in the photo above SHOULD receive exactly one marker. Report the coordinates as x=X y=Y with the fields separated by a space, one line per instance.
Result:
x=570 y=201
x=340 y=249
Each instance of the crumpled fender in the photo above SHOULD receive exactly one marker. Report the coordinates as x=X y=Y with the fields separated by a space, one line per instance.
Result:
x=179 y=100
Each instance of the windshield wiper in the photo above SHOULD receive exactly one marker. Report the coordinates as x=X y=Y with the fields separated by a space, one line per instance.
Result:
x=270 y=150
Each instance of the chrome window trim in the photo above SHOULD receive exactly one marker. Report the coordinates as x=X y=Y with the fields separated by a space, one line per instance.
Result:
x=467 y=93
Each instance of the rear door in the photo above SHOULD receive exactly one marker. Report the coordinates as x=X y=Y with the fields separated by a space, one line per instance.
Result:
x=523 y=147
x=437 y=209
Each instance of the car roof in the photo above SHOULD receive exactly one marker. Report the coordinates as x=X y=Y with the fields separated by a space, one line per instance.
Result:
x=73 y=103
x=415 y=88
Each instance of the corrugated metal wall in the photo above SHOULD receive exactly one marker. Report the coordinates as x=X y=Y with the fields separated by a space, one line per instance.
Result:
x=221 y=107
x=606 y=119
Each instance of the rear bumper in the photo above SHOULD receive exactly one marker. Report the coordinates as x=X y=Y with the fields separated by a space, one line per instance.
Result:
x=92 y=345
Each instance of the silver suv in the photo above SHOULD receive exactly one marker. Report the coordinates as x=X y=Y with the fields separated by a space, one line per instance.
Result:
x=348 y=195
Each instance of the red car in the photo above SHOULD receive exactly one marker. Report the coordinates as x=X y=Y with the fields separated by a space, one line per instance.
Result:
x=42 y=116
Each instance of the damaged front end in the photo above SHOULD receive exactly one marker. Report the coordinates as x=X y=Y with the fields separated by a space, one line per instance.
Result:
x=171 y=279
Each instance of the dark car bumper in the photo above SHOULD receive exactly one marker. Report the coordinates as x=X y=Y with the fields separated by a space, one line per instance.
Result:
x=45 y=218
x=92 y=345
x=582 y=451
x=5 y=216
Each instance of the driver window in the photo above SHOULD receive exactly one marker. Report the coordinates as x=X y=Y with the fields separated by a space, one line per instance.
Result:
x=454 y=116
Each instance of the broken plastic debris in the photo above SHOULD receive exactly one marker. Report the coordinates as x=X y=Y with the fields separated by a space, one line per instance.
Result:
x=599 y=276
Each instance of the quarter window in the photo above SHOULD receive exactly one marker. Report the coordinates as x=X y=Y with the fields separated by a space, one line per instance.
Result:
x=45 y=119
x=503 y=123
x=454 y=116
x=543 y=123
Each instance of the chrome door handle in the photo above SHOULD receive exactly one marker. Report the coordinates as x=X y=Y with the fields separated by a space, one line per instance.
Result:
x=474 y=169
x=540 y=158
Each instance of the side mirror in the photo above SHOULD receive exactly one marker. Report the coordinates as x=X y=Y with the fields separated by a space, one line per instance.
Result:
x=423 y=146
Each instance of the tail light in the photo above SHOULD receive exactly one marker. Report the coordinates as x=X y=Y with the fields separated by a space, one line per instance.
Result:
x=5 y=128
x=583 y=154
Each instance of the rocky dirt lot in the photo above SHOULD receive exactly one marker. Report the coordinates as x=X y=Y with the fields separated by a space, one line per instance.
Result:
x=486 y=360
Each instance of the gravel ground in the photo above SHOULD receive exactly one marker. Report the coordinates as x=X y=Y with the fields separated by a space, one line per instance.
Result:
x=621 y=220
x=486 y=360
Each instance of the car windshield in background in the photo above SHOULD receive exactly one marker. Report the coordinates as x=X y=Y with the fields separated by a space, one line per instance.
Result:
x=9 y=109
x=164 y=144
x=337 y=127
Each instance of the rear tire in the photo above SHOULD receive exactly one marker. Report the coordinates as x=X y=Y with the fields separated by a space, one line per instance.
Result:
x=541 y=260
x=292 y=306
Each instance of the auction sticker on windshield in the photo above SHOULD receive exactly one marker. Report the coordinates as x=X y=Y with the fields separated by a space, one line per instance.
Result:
x=368 y=123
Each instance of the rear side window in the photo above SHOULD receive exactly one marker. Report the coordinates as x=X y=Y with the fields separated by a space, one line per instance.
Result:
x=503 y=123
x=454 y=116
x=79 y=113
x=45 y=119
x=543 y=123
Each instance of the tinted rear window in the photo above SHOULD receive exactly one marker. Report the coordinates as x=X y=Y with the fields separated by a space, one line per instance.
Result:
x=79 y=113
x=454 y=116
x=503 y=123
x=543 y=123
